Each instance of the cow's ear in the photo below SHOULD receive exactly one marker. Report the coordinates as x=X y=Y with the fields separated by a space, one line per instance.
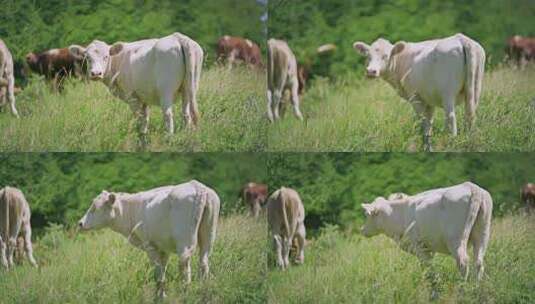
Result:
x=368 y=209
x=116 y=48
x=111 y=199
x=398 y=48
x=361 y=47
x=77 y=51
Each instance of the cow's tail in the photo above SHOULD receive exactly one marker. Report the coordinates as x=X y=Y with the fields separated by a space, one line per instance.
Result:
x=209 y=200
x=193 y=59
x=4 y=214
x=284 y=201
x=480 y=212
x=474 y=56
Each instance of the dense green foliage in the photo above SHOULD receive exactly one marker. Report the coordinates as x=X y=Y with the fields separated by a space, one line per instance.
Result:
x=104 y=268
x=364 y=115
x=350 y=269
x=334 y=185
x=61 y=186
x=28 y=25
x=308 y=24
x=87 y=117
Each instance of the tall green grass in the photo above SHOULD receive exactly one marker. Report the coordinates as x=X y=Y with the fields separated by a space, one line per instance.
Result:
x=368 y=115
x=86 y=117
x=101 y=267
x=342 y=268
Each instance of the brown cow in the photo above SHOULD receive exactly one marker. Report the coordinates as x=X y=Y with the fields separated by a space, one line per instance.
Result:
x=286 y=216
x=55 y=65
x=527 y=196
x=254 y=196
x=14 y=220
x=233 y=49
x=521 y=50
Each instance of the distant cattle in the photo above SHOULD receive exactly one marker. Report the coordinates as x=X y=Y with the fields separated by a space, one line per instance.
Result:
x=527 y=195
x=521 y=50
x=234 y=49
x=7 y=79
x=444 y=220
x=286 y=216
x=254 y=196
x=429 y=74
x=14 y=221
x=162 y=221
x=149 y=72
x=55 y=65
x=282 y=76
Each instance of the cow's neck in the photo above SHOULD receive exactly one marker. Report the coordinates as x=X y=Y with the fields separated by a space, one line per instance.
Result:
x=399 y=220
x=112 y=70
x=399 y=68
x=129 y=213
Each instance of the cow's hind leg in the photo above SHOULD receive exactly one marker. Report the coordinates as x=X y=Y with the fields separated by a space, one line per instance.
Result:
x=461 y=257
x=286 y=246
x=28 y=244
x=295 y=99
x=11 y=96
x=276 y=100
x=469 y=110
x=270 y=105
x=11 y=247
x=278 y=244
x=449 y=111
x=184 y=255
x=301 y=237
x=186 y=108
x=167 y=110
x=3 y=253
x=480 y=239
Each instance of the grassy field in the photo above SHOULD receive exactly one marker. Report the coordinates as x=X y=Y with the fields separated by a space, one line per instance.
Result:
x=86 y=117
x=368 y=115
x=102 y=267
x=342 y=268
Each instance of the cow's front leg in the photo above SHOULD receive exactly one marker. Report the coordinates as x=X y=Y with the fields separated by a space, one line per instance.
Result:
x=425 y=113
x=159 y=260
x=144 y=120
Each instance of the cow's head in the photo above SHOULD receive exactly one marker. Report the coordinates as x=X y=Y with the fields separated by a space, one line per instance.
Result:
x=378 y=55
x=97 y=54
x=376 y=214
x=31 y=59
x=102 y=212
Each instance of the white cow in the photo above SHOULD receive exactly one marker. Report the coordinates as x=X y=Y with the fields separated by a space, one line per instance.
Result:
x=160 y=221
x=286 y=217
x=7 y=78
x=282 y=76
x=442 y=220
x=149 y=72
x=14 y=220
x=429 y=74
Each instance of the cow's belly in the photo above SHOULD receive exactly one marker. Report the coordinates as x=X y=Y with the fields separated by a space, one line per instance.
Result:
x=438 y=76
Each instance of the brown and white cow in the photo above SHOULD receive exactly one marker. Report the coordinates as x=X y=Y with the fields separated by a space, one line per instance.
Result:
x=55 y=65
x=286 y=221
x=254 y=196
x=282 y=76
x=521 y=50
x=7 y=79
x=14 y=220
x=429 y=74
x=233 y=49
x=527 y=195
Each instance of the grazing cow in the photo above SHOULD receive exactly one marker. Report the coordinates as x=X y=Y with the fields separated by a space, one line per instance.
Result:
x=521 y=50
x=444 y=220
x=233 y=49
x=161 y=221
x=286 y=221
x=254 y=195
x=282 y=76
x=149 y=72
x=440 y=72
x=527 y=195
x=55 y=65
x=14 y=221
x=7 y=79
